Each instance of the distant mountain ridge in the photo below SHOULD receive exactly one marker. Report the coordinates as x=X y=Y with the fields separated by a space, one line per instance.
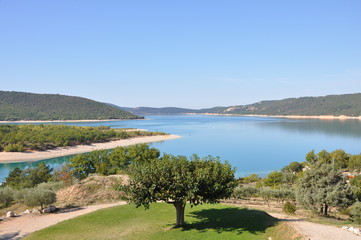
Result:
x=336 y=105
x=16 y=106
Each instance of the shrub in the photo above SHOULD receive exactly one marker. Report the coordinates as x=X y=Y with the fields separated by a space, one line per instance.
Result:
x=356 y=212
x=267 y=194
x=38 y=197
x=6 y=196
x=52 y=186
x=289 y=208
x=14 y=148
x=245 y=192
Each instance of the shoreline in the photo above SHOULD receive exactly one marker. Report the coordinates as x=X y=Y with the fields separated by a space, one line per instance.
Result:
x=16 y=157
x=327 y=117
x=69 y=121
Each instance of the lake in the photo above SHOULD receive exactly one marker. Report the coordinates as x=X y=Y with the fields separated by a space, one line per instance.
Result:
x=251 y=144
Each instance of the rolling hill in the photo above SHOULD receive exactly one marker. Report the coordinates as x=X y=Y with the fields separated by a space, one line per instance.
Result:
x=16 y=106
x=336 y=105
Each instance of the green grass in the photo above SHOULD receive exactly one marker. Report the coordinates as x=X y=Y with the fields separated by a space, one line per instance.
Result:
x=203 y=222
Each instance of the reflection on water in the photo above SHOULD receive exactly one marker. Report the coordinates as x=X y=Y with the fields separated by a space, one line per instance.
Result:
x=251 y=144
x=349 y=127
x=54 y=163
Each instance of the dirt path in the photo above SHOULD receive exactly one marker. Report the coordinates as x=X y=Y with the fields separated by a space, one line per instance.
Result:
x=310 y=231
x=315 y=231
x=18 y=227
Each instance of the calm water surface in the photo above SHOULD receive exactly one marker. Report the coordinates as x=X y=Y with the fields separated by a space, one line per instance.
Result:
x=251 y=144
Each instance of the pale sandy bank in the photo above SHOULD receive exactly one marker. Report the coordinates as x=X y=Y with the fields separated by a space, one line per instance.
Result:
x=329 y=117
x=11 y=157
x=18 y=227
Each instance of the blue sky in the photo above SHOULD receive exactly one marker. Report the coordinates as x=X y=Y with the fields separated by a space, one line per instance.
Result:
x=181 y=53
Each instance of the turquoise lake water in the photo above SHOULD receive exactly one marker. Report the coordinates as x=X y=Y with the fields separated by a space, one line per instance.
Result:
x=251 y=144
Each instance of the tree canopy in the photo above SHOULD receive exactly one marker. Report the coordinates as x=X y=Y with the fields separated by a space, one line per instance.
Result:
x=17 y=138
x=323 y=186
x=29 y=177
x=178 y=180
x=107 y=162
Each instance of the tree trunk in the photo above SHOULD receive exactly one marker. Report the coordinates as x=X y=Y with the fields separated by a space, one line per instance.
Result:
x=179 y=206
x=326 y=208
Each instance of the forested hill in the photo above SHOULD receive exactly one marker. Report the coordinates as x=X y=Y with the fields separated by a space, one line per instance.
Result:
x=346 y=104
x=170 y=110
x=16 y=106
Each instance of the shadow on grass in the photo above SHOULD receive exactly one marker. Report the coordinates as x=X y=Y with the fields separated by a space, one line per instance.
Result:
x=231 y=220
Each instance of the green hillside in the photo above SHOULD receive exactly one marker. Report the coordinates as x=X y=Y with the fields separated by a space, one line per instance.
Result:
x=16 y=106
x=346 y=104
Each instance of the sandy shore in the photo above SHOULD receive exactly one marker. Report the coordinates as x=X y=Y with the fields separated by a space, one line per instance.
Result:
x=11 y=157
x=329 y=117
x=18 y=227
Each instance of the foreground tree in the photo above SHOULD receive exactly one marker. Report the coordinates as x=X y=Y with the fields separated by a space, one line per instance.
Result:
x=177 y=180
x=321 y=187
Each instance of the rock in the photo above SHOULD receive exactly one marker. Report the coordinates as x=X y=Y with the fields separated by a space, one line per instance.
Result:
x=35 y=211
x=50 y=209
x=10 y=214
x=27 y=211
x=345 y=228
x=350 y=229
x=53 y=208
x=356 y=231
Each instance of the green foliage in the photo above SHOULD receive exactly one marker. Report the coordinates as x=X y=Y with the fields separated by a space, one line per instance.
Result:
x=6 y=196
x=178 y=180
x=356 y=186
x=354 y=163
x=51 y=186
x=13 y=147
x=37 y=196
x=338 y=158
x=274 y=179
x=289 y=208
x=245 y=192
x=293 y=167
x=267 y=194
x=284 y=194
x=107 y=162
x=356 y=212
x=64 y=175
x=29 y=106
x=250 y=179
x=30 y=177
x=15 y=138
x=323 y=186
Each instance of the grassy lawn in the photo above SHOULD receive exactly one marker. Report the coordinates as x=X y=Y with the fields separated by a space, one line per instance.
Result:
x=203 y=222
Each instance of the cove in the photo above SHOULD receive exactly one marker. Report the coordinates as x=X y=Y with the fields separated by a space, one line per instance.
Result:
x=251 y=144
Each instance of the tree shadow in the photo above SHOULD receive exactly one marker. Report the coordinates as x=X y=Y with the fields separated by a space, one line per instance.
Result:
x=10 y=236
x=231 y=220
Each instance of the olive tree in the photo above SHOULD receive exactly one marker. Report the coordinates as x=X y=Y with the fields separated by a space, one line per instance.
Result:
x=323 y=186
x=178 y=180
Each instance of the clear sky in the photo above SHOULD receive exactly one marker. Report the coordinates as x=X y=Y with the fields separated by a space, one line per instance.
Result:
x=196 y=54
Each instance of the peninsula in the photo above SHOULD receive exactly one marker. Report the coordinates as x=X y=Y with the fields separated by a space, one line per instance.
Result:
x=12 y=157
